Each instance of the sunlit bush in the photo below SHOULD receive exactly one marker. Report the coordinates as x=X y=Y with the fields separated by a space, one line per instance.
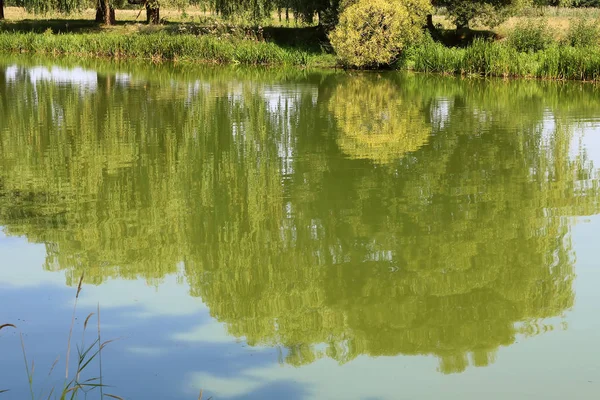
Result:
x=531 y=36
x=372 y=33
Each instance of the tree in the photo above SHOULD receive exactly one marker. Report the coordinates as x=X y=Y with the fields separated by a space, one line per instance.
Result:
x=1 y=9
x=306 y=10
x=105 y=9
x=487 y=12
x=153 y=8
x=152 y=12
x=105 y=13
x=372 y=33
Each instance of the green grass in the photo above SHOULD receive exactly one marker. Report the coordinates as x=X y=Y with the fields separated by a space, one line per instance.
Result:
x=482 y=57
x=163 y=46
x=499 y=59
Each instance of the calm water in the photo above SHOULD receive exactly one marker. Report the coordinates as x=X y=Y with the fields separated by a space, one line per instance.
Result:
x=268 y=234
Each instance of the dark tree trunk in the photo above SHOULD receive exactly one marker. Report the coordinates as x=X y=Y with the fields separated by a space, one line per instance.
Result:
x=102 y=16
x=430 y=25
x=1 y=9
x=152 y=14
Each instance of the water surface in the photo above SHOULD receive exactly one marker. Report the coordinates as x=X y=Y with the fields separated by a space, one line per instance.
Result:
x=265 y=234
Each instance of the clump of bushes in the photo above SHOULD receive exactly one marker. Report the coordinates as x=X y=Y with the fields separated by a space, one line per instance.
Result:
x=583 y=33
x=531 y=36
x=373 y=33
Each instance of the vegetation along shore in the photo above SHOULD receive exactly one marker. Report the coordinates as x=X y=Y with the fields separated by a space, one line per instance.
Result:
x=548 y=39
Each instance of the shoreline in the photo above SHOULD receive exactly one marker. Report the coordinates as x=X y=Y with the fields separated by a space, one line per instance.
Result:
x=480 y=59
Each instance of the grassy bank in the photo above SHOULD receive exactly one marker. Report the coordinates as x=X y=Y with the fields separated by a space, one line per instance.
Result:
x=498 y=59
x=220 y=43
x=485 y=58
x=162 y=46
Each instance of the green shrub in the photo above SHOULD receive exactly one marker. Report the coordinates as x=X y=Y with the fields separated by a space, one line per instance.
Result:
x=372 y=33
x=531 y=36
x=583 y=33
x=430 y=56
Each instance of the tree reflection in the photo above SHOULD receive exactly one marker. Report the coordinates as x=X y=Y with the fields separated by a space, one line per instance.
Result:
x=377 y=216
x=378 y=120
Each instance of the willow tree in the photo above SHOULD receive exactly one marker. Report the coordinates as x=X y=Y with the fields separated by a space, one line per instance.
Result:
x=105 y=9
x=487 y=12
x=59 y=6
x=305 y=10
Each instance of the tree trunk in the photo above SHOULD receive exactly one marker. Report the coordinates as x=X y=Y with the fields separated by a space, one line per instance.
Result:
x=107 y=19
x=102 y=16
x=430 y=25
x=152 y=14
x=1 y=9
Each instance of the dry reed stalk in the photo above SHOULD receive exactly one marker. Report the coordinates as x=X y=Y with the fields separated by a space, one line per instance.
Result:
x=72 y=325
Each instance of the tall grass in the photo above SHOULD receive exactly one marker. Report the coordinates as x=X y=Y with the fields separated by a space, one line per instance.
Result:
x=159 y=46
x=500 y=59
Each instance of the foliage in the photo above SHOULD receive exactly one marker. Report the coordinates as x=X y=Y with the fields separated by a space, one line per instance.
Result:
x=372 y=33
x=487 y=12
x=304 y=10
x=583 y=33
x=46 y=6
x=531 y=36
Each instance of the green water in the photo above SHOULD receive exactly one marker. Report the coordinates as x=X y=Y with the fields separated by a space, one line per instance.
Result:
x=292 y=234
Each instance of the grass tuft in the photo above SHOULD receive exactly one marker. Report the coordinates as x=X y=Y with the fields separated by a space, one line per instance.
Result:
x=86 y=355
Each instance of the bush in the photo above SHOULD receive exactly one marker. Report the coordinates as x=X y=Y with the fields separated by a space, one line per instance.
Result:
x=531 y=36
x=583 y=33
x=372 y=33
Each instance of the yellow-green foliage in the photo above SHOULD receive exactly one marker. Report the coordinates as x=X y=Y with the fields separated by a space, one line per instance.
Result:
x=374 y=32
x=376 y=121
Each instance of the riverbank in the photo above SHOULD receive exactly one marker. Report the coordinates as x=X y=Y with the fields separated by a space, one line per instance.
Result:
x=163 y=47
x=498 y=59
x=482 y=57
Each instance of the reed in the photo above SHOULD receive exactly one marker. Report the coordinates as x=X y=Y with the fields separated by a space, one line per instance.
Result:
x=486 y=58
x=75 y=384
